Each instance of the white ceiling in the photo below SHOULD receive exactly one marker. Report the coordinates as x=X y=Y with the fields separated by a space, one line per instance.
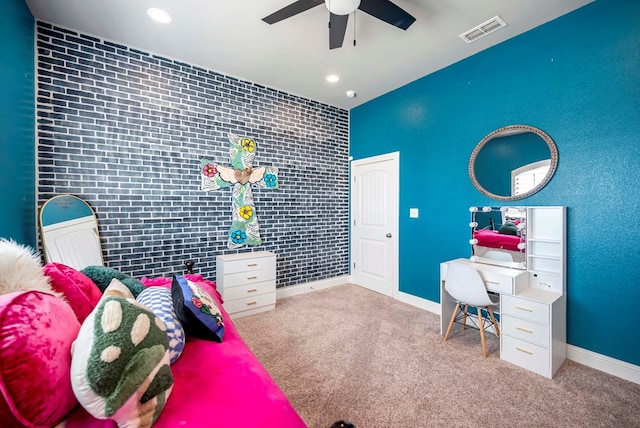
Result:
x=229 y=37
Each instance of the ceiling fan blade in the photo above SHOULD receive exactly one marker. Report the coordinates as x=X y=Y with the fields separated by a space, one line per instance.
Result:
x=291 y=10
x=387 y=12
x=337 y=29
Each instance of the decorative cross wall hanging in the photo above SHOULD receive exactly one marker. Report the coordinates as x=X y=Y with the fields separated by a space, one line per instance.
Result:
x=245 y=229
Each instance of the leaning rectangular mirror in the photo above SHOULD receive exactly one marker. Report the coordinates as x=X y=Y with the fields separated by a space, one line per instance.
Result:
x=498 y=236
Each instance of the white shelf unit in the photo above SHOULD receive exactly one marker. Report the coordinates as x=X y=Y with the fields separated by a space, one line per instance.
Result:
x=546 y=248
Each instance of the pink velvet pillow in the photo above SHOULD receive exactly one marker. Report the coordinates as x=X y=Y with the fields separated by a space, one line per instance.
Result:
x=36 y=333
x=78 y=289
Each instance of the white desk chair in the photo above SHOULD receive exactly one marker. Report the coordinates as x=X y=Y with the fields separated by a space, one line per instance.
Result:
x=69 y=231
x=467 y=288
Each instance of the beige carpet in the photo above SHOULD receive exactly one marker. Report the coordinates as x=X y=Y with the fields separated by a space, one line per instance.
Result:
x=350 y=353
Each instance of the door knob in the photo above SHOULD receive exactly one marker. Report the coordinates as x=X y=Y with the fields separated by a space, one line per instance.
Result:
x=388 y=235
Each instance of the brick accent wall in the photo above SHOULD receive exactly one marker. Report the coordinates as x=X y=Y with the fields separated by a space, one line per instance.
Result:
x=125 y=130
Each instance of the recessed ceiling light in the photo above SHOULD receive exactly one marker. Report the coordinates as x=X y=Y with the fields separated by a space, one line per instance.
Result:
x=332 y=78
x=159 y=15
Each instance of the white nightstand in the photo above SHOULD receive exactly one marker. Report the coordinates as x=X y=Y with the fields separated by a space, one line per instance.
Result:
x=247 y=282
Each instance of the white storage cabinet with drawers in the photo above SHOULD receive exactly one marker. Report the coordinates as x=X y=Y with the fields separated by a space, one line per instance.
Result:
x=247 y=282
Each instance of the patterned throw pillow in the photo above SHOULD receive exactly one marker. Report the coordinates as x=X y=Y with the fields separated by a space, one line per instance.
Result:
x=197 y=310
x=159 y=300
x=120 y=361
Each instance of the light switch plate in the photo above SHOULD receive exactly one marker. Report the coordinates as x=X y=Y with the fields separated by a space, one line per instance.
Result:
x=413 y=213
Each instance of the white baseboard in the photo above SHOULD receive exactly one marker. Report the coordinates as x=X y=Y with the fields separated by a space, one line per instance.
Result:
x=603 y=363
x=308 y=287
x=591 y=359
x=419 y=302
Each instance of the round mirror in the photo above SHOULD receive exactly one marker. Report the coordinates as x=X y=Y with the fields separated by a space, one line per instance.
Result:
x=513 y=162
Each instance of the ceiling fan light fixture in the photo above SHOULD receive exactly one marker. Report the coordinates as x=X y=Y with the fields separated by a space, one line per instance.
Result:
x=342 y=7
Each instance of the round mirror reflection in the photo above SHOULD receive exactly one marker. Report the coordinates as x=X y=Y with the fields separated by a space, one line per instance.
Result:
x=513 y=162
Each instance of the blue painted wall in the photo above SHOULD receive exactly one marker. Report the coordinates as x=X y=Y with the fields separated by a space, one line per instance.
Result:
x=17 y=147
x=578 y=79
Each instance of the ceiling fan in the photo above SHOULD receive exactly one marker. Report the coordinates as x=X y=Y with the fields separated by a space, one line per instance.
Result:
x=339 y=11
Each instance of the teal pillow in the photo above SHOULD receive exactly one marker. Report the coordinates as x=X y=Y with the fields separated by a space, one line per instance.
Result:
x=133 y=284
x=508 y=228
x=102 y=276
x=197 y=310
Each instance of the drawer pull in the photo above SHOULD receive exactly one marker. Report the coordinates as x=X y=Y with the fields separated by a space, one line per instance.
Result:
x=526 y=330
x=526 y=351
x=524 y=308
x=253 y=290
x=252 y=264
x=251 y=303
x=492 y=282
x=252 y=277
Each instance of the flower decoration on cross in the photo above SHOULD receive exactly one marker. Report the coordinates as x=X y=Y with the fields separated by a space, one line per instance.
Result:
x=209 y=170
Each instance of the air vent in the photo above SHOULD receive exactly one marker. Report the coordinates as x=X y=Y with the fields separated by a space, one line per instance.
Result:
x=483 y=29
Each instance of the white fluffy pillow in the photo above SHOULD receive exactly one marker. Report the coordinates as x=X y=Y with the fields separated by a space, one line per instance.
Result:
x=21 y=269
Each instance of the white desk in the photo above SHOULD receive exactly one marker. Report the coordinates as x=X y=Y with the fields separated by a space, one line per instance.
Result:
x=532 y=320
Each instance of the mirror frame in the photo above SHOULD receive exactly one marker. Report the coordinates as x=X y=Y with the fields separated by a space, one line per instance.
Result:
x=525 y=128
x=69 y=232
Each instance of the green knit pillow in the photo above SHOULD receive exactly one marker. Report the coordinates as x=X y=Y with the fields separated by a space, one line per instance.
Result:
x=120 y=360
x=508 y=228
x=102 y=276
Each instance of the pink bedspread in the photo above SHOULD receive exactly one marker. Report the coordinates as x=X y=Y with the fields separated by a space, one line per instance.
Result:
x=215 y=384
x=493 y=239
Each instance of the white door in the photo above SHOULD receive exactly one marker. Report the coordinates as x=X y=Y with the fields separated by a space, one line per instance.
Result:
x=374 y=223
